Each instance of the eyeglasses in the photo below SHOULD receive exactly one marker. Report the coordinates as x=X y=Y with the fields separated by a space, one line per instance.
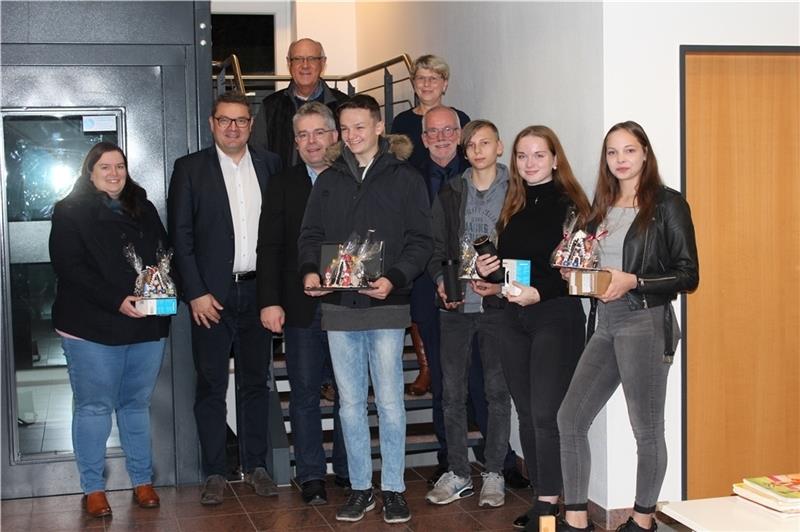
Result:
x=304 y=136
x=311 y=59
x=224 y=121
x=447 y=132
x=422 y=80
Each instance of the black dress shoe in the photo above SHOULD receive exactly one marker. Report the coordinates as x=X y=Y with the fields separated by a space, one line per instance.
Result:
x=515 y=480
x=314 y=492
x=342 y=482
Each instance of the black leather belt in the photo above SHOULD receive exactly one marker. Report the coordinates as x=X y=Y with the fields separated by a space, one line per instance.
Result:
x=245 y=276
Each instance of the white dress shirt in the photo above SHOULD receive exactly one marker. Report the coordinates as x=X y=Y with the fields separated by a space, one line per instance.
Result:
x=244 y=197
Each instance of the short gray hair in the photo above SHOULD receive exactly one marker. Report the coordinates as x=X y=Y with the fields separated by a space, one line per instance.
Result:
x=321 y=49
x=314 y=108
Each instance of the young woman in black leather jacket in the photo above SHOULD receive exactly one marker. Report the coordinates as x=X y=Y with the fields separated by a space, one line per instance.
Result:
x=649 y=248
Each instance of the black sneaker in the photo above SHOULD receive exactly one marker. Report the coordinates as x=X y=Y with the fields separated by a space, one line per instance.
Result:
x=395 y=507
x=632 y=526
x=314 y=492
x=358 y=503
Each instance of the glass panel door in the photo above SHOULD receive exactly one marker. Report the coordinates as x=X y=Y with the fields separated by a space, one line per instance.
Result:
x=43 y=152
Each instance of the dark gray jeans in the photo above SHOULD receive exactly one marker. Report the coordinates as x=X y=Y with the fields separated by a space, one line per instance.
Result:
x=456 y=352
x=627 y=348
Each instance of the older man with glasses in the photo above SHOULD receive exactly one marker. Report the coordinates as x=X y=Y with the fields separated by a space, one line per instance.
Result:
x=272 y=129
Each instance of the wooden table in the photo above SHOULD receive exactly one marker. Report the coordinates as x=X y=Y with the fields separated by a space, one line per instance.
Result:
x=728 y=514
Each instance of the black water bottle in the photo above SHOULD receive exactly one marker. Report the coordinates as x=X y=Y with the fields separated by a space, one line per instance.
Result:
x=483 y=245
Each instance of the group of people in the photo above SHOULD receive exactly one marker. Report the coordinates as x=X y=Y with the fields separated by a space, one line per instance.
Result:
x=247 y=228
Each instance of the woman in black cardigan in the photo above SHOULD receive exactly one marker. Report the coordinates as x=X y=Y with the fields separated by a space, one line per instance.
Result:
x=543 y=326
x=113 y=351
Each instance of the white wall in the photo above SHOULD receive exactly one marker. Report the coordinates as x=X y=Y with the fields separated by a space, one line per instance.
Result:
x=513 y=63
x=334 y=25
x=641 y=82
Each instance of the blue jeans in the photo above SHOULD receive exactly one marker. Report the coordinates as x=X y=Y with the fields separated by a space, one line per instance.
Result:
x=357 y=355
x=307 y=353
x=106 y=378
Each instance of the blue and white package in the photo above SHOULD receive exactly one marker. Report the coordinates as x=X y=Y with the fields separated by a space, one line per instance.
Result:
x=518 y=270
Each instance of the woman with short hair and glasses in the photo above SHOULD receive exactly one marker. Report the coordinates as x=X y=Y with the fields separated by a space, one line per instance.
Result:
x=430 y=76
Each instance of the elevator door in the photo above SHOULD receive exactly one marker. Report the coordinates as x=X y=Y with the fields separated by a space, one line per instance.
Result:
x=51 y=115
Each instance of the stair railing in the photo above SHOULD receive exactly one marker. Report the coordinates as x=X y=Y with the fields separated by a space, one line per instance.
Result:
x=240 y=80
x=232 y=62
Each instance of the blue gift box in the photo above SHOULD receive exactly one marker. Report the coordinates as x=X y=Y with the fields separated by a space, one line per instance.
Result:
x=158 y=306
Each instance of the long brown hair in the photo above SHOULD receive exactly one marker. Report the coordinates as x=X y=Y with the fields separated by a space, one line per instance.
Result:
x=128 y=197
x=607 y=190
x=564 y=178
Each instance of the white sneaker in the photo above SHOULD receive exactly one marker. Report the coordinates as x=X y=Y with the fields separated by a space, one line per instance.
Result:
x=493 y=492
x=450 y=487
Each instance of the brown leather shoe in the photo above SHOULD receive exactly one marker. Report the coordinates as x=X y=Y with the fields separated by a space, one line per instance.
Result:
x=145 y=496
x=96 y=504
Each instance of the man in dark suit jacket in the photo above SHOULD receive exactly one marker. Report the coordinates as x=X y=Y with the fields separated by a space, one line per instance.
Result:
x=286 y=308
x=213 y=208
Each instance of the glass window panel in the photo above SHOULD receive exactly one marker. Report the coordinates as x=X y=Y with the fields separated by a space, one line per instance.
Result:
x=44 y=149
x=43 y=156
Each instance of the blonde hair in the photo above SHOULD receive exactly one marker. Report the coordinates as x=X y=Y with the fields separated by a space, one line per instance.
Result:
x=431 y=62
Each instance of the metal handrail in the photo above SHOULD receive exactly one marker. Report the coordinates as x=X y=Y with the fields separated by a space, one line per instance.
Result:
x=233 y=62
x=388 y=80
x=403 y=58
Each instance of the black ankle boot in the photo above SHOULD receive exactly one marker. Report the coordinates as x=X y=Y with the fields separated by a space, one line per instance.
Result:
x=632 y=526
x=531 y=518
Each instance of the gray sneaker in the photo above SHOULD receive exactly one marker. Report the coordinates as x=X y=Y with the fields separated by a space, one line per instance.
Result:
x=493 y=492
x=261 y=483
x=213 y=490
x=450 y=487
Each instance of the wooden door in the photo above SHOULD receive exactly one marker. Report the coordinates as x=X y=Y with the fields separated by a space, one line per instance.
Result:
x=742 y=154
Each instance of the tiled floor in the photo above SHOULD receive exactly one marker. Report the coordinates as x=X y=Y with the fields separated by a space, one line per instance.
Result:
x=244 y=511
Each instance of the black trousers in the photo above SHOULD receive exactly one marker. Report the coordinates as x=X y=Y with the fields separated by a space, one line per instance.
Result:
x=543 y=343
x=239 y=331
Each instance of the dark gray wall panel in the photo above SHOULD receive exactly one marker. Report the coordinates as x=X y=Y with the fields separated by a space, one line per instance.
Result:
x=15 y=21
x=100 y=22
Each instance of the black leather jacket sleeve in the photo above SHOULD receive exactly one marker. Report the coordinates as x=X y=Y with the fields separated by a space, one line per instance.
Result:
x=664 y=256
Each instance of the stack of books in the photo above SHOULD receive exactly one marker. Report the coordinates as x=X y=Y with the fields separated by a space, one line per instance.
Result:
x=779 y=493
